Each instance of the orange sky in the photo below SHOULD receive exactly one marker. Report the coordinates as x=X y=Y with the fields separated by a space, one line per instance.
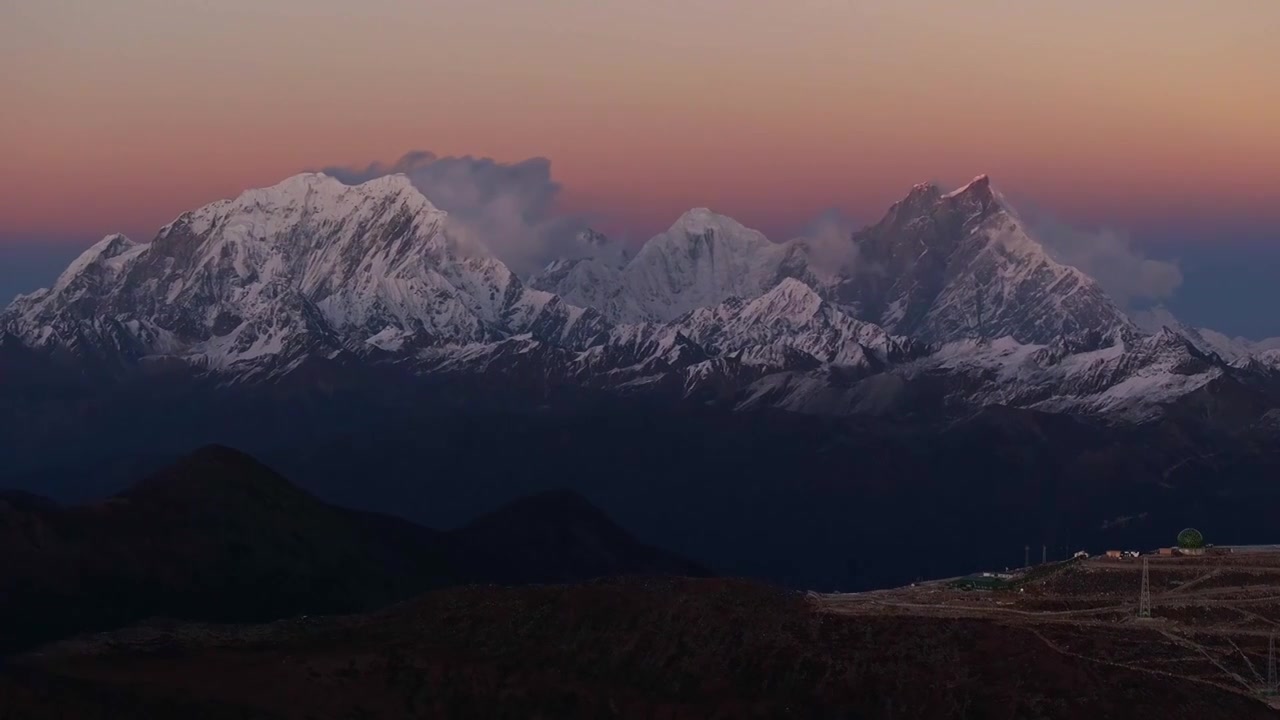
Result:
x=121 y=114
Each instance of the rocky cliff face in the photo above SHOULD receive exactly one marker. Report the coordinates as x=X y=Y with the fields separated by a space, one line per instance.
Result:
x=963 y=266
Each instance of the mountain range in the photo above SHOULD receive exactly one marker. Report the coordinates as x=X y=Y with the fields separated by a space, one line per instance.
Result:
x=946 y=305
x=770 y=408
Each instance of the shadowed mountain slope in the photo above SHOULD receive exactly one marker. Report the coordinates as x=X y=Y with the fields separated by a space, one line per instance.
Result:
x=218 y=536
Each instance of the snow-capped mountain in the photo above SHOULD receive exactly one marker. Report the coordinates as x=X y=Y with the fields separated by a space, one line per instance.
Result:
x=1231 y=349
x=704 y=259
x=938 y=267
x=794 y=316
x=701 y=260
x=952 y=305
x=309 y=266
x=961 y=265
x=592 y=278
x=1132 y=381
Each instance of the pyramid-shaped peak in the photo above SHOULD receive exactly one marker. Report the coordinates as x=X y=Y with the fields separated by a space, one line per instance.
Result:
x=924 y=190
x=700 y=217
x=112 y=245
x=101 y=254
x=318 y=190
x=790 y=298
x=393 y=183
x=980 y=186
x=922 y=199
x=304 y=181
x=210 y=472
x=791 y=287
x=698 y=221
x=550 y=506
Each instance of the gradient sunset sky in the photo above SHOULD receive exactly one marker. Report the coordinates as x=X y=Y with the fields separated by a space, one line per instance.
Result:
x=1160 y=118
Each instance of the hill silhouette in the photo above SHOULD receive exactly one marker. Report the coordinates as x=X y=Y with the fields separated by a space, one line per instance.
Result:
x=220 y=537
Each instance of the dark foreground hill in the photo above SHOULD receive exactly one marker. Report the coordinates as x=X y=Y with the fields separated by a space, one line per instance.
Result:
x=221 y=537
x=668 y=648
x=806 y=502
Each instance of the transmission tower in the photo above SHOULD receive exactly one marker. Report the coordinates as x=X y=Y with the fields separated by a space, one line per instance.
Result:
x=1044 y=554
x=1026 y=556
x=1273 y=683
x=1144 y=600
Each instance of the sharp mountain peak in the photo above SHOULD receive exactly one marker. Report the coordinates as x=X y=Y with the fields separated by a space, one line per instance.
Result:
x=314 y=270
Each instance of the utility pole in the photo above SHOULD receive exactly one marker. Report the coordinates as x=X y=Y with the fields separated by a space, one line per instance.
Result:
x=1044 y=554
x=1144 y=600
x=1026 y=556
x=1273 y=683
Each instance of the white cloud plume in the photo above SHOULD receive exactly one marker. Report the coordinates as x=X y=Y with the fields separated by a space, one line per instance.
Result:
x=828 y=241
x=509 y=208
x=1110 y=257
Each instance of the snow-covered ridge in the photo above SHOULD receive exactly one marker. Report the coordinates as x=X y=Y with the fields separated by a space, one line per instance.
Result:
x=979 y=183
x=938 y=267
x=703 y=259
x=1235 y=350
x=794 y=316
x=307 y=266
x=950 y=301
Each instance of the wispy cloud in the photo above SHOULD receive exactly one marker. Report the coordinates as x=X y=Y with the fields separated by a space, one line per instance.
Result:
x=509 y=208
x=1110 y=257
x=828 y=241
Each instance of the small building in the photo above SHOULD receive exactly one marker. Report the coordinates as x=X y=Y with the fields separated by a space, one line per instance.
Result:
x=979 y=581
x=1166 y=552
x=1082 y=555
x=1114 y=554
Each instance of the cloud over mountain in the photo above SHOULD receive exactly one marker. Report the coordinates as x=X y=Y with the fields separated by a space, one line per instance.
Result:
x=508 y=207
x=829 y=243
x=1109 y=256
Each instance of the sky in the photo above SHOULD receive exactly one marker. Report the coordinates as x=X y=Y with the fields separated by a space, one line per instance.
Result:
x=1155 y=123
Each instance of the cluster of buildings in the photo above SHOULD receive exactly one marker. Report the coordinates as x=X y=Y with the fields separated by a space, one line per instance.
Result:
x=1123 y=554
x=1190 y=542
